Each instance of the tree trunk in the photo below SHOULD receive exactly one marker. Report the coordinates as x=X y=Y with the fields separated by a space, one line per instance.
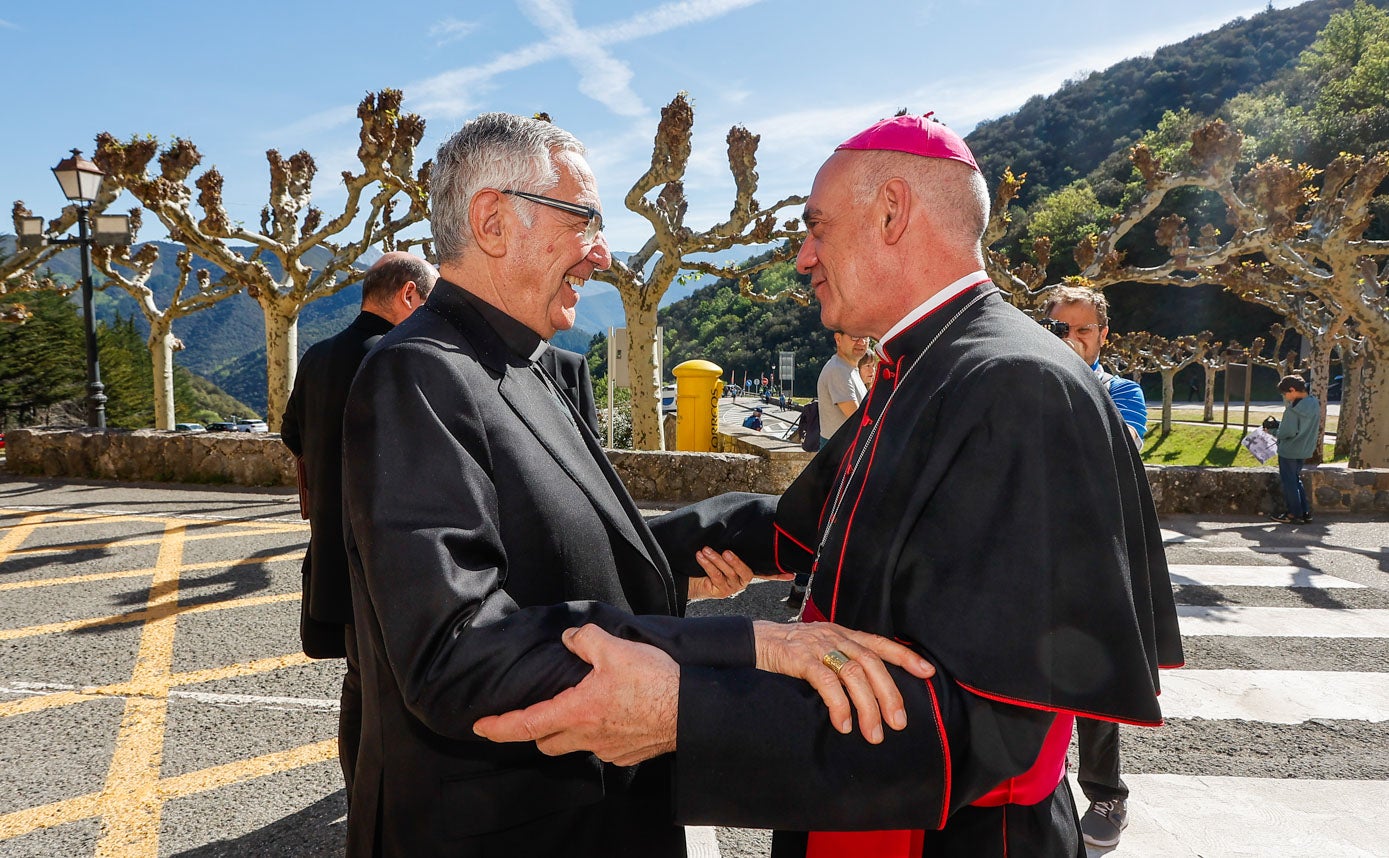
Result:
x=281 y=359
x=1370 y=444
x=1168 y=386
x=645 y=374
x=1209 y=414
x=1319 y=363
x=161 y=346
x=1352 y=362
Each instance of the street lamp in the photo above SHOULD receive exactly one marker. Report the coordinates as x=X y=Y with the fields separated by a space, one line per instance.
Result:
x=81 y=182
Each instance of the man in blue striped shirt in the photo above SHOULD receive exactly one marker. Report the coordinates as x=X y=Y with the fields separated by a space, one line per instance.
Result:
x=1083 y=317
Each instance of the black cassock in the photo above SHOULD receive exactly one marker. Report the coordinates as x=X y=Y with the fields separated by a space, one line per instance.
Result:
x=985 y=506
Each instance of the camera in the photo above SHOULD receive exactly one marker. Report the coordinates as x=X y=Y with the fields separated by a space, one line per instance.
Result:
x=1056 y=326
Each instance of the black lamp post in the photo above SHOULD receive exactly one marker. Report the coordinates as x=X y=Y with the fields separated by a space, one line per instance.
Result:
x=81 y=182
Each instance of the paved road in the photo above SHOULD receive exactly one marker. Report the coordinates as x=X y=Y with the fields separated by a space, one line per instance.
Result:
x=153 y=701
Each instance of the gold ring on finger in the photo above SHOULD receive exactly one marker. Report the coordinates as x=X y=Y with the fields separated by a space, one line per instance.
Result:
x=835 y=660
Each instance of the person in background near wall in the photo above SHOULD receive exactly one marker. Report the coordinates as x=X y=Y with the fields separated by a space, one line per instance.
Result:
x=867 y=368
x=569 y=370
x=1299 y=432
x=1084 y=313
x=395 y=286
x=754 y=420
x=840 y=389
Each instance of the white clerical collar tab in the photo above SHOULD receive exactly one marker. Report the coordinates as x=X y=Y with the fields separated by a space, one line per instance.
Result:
x=925 y=308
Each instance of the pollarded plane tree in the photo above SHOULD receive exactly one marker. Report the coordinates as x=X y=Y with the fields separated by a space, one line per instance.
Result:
x=19 y=272
x=161 y=340
x=290 y=226
x=1023 y=285
x=1314 y=236
x=642 y=280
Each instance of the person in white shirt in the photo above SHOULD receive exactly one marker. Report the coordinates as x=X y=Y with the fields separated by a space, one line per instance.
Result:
x=840 y=389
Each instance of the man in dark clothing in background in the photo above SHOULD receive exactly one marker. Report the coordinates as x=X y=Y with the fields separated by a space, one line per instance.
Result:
x=569 y=370
x=312 y=430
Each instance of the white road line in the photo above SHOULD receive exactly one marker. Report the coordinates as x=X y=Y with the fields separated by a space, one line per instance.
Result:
x=313 y=704
x=1275 y=696
x=701 y=842
x=1283 y=622
x=1179 y=816
x=1216 y=575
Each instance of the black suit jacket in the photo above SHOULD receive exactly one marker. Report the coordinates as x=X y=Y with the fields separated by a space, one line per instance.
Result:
x=312 y=429
x=481 y=523
x=571 y=375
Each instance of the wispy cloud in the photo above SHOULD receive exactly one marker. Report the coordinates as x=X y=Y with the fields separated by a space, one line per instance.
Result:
x=8 y=25
x=604 y=78
x=451 y=30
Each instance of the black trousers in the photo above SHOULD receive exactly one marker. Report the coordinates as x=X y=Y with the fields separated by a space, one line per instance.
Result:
x=1099 y=760
x=350 y=712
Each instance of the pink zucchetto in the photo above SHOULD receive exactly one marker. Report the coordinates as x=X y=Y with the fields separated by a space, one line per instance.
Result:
x=915 y=135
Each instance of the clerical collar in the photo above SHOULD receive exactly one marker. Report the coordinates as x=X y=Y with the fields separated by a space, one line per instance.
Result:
x=964 y=284
x=516 y=335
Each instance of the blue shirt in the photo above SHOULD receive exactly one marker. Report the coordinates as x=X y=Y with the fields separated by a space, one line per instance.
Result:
x=1128 y=398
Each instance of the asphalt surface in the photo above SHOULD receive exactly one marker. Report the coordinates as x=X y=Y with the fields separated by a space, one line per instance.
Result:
x=153 y=700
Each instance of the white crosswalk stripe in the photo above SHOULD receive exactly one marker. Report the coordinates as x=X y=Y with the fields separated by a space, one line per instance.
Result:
x=1242 y=621
x=1224 y=575
x=1187 y=794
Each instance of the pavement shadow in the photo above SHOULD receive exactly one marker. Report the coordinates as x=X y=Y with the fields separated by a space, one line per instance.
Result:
x=317 y=831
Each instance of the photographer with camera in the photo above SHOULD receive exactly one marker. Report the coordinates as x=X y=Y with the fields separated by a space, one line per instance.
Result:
x=1080 y=317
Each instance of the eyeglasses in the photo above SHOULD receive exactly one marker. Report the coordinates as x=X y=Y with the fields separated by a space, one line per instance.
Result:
x=595 y=217
x=1064 y=329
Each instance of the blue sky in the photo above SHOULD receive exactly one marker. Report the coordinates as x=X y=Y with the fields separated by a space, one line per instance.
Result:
x=238 y=79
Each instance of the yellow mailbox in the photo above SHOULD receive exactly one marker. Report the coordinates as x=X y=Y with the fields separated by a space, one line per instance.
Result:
x=698 y=387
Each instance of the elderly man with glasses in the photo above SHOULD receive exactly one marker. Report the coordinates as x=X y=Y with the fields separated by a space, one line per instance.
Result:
x=483 y=521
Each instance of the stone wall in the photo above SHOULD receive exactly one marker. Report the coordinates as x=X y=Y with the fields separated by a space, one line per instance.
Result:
x=749 y=461
x=152 y=455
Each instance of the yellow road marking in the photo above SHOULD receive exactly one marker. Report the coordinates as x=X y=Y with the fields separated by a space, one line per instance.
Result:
x=18 y=533
x=144 y=615
x=144 y=540
x=131 y=801
x=180 y=786
x=247 y=668
x=244 y=770
x=48 y=815
x=136 y=573
x=130 y=807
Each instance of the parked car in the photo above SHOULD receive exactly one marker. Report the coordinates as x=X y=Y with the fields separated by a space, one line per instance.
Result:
x=221 y=427
x=251 y=426
x=732 y=390
x=2 y=440
x=668 y=399
x=189 y=427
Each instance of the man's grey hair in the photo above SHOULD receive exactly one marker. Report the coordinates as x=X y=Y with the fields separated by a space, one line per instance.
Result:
x=954 y=192
x=496 y=150
x=1067 y=295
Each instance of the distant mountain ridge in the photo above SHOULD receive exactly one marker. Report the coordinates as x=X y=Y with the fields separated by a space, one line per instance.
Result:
x=1061 y=137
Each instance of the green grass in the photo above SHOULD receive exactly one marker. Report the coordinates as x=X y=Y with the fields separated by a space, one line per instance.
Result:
x=1212 y=446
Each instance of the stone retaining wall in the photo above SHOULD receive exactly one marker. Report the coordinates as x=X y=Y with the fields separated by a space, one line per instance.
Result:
x=749 y=462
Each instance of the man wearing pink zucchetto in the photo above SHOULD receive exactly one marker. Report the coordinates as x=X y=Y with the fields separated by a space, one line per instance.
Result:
x=984 y=506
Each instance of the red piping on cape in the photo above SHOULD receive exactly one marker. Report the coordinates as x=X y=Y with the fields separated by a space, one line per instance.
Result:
x=1029 y=704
